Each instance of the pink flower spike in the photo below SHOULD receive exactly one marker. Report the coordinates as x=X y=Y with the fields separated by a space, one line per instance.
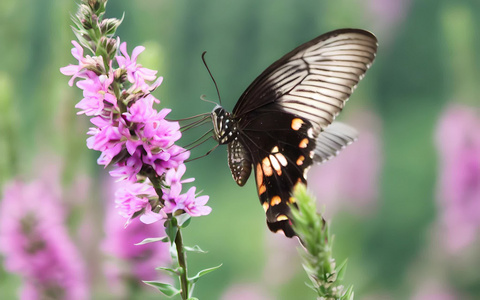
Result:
x=35 y=243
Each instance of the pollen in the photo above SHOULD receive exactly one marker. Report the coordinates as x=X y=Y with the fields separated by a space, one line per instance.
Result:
x=282 y=218
x=300 y=160
x=303 y=143
x=297 y=123
x=275 y=200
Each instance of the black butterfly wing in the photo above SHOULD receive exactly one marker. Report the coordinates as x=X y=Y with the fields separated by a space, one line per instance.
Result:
x=282 y=114
x=280 y=158
x=315 y=79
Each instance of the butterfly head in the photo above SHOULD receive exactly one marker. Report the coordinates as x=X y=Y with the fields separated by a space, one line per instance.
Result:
x=225 y=129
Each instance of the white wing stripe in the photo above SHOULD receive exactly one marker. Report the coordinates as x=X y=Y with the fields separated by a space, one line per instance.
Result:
x=320 y=99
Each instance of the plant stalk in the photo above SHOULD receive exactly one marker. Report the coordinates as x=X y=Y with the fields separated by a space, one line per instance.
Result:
x=182 y=262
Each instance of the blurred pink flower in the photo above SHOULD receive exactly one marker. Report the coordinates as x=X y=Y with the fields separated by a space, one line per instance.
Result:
x=283 y=261
x=458 y=188
x=351 y=179
x=434 y=291
x=140 y=260
x=36 y=245
x=386 y=15
x=245 y=291
x=131 y=261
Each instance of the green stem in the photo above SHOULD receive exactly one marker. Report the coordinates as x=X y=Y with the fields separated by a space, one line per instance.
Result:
x=182 y=262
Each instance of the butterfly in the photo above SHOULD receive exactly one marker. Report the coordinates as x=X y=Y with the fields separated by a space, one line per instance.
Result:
x=283 y=122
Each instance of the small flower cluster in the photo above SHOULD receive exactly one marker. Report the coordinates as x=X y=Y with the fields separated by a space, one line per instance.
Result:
x=36 y=245
x=133 y=136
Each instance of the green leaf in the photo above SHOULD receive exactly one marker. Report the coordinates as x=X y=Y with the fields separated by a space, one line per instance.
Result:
x=202 y=272
x=165 y=288
x=341 y=269
x=184 y=220
x=176 y=272
x=171 y=229
x=163 y=239
x=195 y=249
x=348 y=294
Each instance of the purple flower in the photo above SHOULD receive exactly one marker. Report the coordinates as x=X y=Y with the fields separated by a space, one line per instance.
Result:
x=195 y=206
x=36 y=245
x=80 y=70
x=96 y=92
x=458 y=188
x=133 y=197
x=128 y=169
x=133 y=135
x=351 y=180
x=188 y=202
x=173 y=179
x=136 y=74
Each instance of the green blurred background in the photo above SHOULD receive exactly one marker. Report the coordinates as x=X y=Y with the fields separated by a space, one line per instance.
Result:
x=427 y=58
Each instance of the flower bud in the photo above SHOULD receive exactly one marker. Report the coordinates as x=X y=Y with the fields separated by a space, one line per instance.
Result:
x=109 y=45
x=109 y=26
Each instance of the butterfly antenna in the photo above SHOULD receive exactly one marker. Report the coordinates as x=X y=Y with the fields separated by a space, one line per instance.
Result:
x=211 y=76
x=202 y=97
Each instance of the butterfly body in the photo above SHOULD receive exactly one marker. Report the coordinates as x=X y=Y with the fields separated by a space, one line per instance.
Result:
x=282 y=123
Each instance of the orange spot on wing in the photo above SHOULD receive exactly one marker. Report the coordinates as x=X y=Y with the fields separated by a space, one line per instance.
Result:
x=282 y=218
x=267 y=167
x=261 y=189
x=297 y=123
x=275 y=200
x=265 y=206
x=275 y=164
x=259 y=175
x=303 y=143
x=300 y=160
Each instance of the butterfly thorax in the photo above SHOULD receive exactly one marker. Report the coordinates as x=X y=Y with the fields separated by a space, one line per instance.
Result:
x=224 y=126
